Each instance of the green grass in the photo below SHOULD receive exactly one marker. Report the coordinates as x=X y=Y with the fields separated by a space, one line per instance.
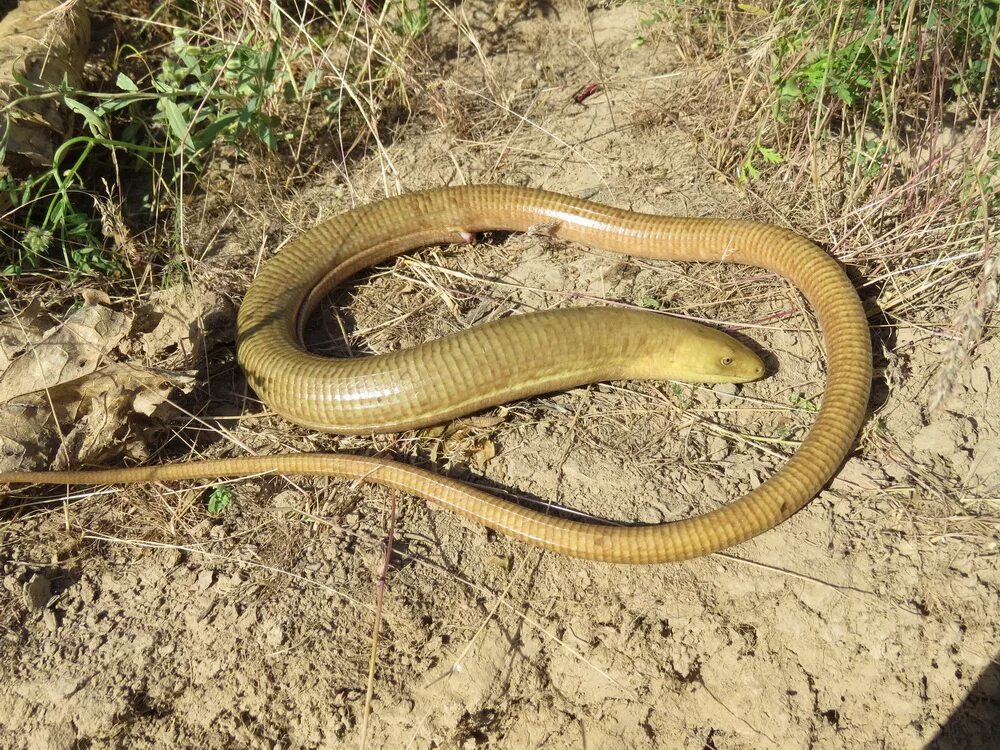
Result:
x=870 y=58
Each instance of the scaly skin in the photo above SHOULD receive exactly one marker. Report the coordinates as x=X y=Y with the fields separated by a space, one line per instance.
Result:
x=526 y=355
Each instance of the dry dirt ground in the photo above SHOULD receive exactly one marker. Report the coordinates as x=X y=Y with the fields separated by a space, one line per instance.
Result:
x=136 y=618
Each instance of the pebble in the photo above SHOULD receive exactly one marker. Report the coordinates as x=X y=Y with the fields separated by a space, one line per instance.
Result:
x=205 y=580
x=173 y=558
x=939 y=438
x=963 y=564
x=38 y=591
x=87 y=592
x=142 y=642
x=842 y=508
x=989 y=578
x=339 y=571
x=503 y=563
x=717 y=448
x=275 y=635
x=725 y=391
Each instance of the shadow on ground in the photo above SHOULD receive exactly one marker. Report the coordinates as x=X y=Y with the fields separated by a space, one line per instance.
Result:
x=975 y=723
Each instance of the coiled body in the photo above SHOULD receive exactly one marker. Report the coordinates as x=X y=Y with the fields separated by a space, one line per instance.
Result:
x=522 y=356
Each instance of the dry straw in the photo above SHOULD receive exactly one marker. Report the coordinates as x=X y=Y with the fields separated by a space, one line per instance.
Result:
x=969 y=324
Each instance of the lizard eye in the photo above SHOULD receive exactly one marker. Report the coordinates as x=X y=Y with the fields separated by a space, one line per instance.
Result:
x=727 y=361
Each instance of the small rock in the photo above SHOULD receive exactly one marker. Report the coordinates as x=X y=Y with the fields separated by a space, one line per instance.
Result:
x=989 y=578
x=57 y=737
x=275 y=635
x=205 y=580
x=725 y=391
x=717 y=448
x=172 y=558
x=38 y=591
x=249 y=617
x=842 y=508
x=142 y=642
x=49 y=618
x=502 y=563
x=939 y=438
x=87 y=592
x=962 y=564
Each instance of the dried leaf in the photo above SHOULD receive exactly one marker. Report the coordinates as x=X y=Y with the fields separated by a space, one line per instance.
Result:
x=188 y=322
x=41 y=43
x=28 y=325
x=484 y=453
x=61 y=405
x=65 y=352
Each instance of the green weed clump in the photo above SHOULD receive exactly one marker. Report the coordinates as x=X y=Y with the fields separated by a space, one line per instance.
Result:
x=876 y=58
x=888 y=73
x=249 y=82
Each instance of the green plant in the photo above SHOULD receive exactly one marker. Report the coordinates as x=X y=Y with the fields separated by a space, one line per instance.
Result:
x=683 y=395
x=869 y=156
x=56 y=209
x=981 y=187
x=889 y=75
x=219 y=499
x=799 y=400
x=205 y=93
x=221 y=90
x=747 y=170
x=843 y=69
x=413 y=21
x=864 y=57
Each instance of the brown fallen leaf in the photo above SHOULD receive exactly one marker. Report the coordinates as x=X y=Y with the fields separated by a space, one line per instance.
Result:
x=41 y=41
x=187 y=323
x=62 y=405
x=65 y=352
x=16 y=330
x=486 y=450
